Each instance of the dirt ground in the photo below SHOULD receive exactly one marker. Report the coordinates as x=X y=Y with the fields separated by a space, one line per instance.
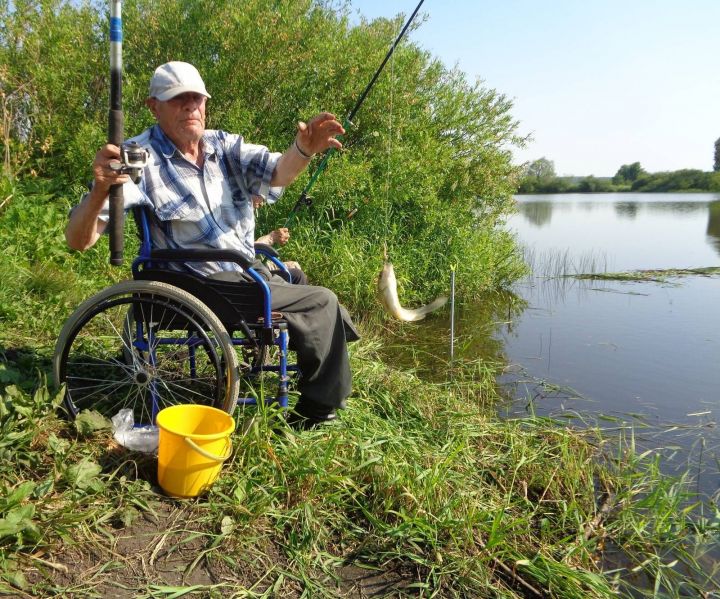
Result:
x=164 y=549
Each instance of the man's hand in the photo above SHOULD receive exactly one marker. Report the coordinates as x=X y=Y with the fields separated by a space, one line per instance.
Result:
x=105 y=177
x=315 y=136
x=319 y=134
x=84 y=228
x=280 y=236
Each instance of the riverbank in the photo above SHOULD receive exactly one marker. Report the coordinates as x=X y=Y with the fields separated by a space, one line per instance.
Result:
x=419 y=491
x=626 y=180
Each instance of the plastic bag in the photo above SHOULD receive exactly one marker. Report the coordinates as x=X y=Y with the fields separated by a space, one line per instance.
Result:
x=137 y=438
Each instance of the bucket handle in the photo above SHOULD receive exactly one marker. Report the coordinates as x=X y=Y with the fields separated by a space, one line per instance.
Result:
x=209 y=456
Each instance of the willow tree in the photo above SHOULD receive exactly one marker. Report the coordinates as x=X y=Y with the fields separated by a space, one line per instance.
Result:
x=426 y=166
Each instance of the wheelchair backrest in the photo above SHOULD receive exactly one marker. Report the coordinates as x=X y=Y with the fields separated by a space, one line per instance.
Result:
x=235 y=303
x=142 y=217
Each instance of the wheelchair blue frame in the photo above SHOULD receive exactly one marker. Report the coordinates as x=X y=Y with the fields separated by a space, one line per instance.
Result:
x=264 y=330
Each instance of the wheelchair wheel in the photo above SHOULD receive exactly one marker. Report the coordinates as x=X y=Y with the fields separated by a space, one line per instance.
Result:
x=145 y=345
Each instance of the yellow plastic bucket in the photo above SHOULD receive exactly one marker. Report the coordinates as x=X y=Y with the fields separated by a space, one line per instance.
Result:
x=194 y=442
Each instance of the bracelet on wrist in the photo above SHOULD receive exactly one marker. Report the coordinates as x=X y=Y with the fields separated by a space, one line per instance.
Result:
x=303 y=154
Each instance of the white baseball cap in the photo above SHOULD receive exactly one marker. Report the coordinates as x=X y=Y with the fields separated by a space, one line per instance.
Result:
x=174 y=78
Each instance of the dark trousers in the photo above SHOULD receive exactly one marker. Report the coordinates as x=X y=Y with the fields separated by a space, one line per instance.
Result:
x=319 y=330
x=297 y=276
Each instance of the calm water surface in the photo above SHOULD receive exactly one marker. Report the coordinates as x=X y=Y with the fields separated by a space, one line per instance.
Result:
x=646 y=353
x=624 y=356
x=617 y=354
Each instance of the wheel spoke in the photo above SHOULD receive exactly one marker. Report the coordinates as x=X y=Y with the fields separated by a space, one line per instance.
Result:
x=185 y=390
x=104 y=369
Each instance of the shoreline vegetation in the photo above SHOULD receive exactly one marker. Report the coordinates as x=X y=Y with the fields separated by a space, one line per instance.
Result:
x=420 y=490
x=539 y=178
x=558 y=264
x=657 y=275
x=426 y=498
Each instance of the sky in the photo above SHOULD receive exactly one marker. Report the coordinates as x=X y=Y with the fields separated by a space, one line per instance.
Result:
x=596 y=83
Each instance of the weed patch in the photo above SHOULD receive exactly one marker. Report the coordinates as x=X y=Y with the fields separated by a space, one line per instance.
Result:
x=416 y=490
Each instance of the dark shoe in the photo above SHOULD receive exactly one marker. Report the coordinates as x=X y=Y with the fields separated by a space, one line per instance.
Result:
x=308 y=414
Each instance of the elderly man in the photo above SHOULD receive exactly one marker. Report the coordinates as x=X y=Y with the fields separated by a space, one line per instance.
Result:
x=200 y=186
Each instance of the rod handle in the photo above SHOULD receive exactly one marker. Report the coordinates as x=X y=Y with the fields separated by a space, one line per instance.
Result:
x=117 y=203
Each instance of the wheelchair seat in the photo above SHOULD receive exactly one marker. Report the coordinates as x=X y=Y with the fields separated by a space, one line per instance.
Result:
x=171 y=336
x=234 y=303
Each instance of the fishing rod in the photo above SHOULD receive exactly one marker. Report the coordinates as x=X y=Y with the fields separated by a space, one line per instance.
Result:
x=133 y=157
x=115 y=131
x=304 y=199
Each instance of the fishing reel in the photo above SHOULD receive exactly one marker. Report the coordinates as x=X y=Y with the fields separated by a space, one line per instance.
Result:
x=133 y=159
x=303 y=200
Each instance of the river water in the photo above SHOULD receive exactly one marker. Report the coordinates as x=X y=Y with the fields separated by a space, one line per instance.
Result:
x=644 y=355
x=625 y=356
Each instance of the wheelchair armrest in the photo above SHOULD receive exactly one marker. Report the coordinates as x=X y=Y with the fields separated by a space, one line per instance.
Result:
x=208 y=255
x=269 y=252
x=266 y=250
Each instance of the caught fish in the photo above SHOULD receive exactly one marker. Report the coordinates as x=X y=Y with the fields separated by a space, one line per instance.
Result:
x=387 y=290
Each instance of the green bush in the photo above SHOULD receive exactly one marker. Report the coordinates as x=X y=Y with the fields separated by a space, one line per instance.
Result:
x=426 y=161
x=682 y=180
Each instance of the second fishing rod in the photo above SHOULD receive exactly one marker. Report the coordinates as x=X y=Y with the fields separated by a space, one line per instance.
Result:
x=304 y=199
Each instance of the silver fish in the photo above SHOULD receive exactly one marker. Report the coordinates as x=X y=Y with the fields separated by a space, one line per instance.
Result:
x=387 y=290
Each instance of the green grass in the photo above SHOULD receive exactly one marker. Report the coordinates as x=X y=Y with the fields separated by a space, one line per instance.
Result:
x=652 y=275
x=416 y=479
x=419 y=490
x=560 y=263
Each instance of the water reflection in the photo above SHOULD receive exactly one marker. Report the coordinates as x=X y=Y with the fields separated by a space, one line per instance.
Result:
x=677 y=208
x=425 y=346
x=538 y=213
x=660 y=231
x=713 y=225
x=642 y=354
x=626 y=209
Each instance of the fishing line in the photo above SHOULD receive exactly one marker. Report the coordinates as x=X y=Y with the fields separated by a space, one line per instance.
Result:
x=304 y=199
x=388 y=168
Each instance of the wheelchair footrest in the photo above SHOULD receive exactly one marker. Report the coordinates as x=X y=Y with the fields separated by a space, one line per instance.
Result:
x=251 y=401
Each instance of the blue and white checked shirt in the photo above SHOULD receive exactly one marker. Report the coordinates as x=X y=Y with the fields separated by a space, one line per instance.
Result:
x=204 y=208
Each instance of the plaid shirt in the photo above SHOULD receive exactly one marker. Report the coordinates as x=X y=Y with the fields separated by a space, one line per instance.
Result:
x=208 y=207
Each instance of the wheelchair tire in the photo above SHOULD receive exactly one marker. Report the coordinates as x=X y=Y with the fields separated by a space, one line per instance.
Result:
x=184 y=353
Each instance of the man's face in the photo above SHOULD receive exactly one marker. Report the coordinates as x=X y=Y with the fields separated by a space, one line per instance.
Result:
x=182 y=118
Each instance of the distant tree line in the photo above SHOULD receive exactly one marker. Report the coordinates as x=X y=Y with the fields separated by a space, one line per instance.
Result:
x=539 y=177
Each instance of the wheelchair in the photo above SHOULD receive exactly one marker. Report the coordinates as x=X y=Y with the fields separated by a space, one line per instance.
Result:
x=172 y=337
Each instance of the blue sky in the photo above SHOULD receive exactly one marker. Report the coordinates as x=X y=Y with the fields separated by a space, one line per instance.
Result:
x=598 y=83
